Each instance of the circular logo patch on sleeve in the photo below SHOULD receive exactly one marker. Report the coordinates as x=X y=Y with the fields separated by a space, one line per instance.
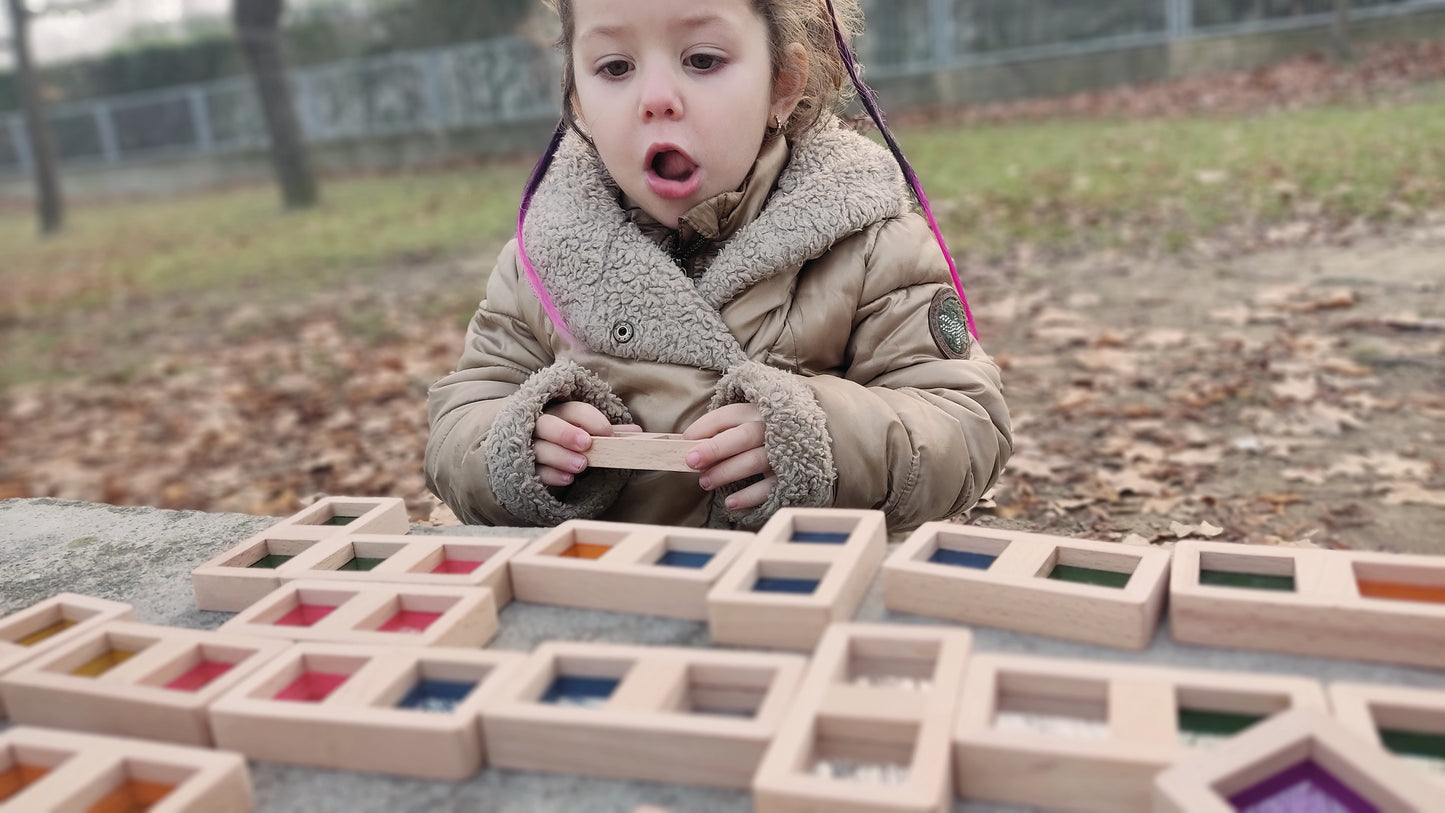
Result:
x=949 y=325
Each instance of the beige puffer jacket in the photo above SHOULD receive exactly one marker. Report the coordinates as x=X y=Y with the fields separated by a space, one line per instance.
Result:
x=832 y=310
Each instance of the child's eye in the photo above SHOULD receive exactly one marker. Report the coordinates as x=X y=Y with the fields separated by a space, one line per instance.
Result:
x=616 y=68
x=703 y=62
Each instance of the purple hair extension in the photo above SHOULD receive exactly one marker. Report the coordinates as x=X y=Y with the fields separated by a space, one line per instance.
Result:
x=527 y=268
x=870 y=103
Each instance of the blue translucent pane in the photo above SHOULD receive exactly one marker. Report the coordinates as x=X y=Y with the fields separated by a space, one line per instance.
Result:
x=436 y=695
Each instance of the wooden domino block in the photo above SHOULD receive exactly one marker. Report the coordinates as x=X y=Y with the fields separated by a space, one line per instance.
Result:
x=43 y=769
x=134 y=680
x=871 y=729
x=1091 y=735
x=1298 y=760
x=662 y=714
x=1406 y=722
x=626 y=568
x=406 y=711
x=808 y=568
x=372 y=613
x=234 y=579
x=1341 y=604
x=53 y=622
x=649 y=451
x=1100 y=592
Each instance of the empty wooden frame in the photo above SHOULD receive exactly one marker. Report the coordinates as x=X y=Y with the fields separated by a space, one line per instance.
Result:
x=393 y=710
x=372 y=613
x=871 y=729
x=43 y=769
x=1091 y=735
x=661 y=714
x=626 y=568
x=234 y=579
x=1297 y=760
x=1342 y=604
x=135 y=680
x=1100 y=592
x=1406 y=722
x=808 y=568
x=648 y=451
x=54 y=622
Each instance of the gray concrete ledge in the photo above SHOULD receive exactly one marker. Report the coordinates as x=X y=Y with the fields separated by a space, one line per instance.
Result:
x=144 y=556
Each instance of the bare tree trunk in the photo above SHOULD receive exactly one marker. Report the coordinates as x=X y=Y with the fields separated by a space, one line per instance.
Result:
x=258 y=28
x=1340 y=32
x=49 y=204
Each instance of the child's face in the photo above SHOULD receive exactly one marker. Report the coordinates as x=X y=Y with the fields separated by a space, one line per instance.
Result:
x=676 y=95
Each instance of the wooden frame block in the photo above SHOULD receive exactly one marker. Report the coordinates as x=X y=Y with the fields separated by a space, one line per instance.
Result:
x=808 y=568
x=1340 y=604
x=41 y=769
x=51 y=623
x=1100 y=592
x=1406 y=722
x=241 y=575
x=405 y=711
x=1091 y=735
x=372 y=613
x=661 y=714
x=442 y=560
x=626 y=568
x=1305 y=748
x=648 y=451
x=871 y=729
x=134 y=680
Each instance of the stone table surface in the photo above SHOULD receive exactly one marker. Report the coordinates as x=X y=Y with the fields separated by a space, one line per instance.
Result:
x=144 y=556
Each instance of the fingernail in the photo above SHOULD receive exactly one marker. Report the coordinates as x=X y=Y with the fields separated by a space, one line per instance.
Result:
x=694 y=458
x=705 y=482
x=578 y=464
x=731 y=502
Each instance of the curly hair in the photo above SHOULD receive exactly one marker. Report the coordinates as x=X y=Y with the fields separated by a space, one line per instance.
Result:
x=802 y=21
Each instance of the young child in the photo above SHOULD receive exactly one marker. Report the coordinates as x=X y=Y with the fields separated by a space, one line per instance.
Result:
x=705 y=250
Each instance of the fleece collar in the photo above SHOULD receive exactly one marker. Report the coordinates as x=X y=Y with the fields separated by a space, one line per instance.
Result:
x=622 y=295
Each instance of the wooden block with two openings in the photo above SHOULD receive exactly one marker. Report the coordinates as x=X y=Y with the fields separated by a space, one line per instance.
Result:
x=44 y=769
x=1091 y=735
x=1405 y=721
x=871 y=729
x=134 y=680
x=1100 y=592
x=808 y=568
x=236 y=578
x=372 y=613
x=54 y=622
x=1298 y=760
x=1341 y=604
x=404 y=711
x=626 y=568
x=661 y=714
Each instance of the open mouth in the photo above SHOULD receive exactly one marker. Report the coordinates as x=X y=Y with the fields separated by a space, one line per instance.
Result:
x=673 y=165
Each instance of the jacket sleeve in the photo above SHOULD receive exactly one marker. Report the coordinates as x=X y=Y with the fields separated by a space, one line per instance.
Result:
x=919 y=426
x=479 y=457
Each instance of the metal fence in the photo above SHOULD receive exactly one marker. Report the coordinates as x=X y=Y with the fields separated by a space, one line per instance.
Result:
x=512 y=79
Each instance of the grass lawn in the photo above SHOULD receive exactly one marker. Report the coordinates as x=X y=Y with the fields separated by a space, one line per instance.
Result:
x=1058 y=186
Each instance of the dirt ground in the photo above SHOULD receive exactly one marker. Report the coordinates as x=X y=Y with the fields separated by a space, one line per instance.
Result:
x=1289 y=396
x=1293 y=395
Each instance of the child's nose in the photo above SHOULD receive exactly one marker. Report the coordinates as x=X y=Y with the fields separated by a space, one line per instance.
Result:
x=661 y=96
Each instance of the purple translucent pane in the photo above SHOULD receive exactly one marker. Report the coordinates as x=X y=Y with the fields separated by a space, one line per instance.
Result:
x=1301 y=788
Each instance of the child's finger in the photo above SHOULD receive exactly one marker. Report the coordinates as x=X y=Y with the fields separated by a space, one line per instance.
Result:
x=750 y=463
x=559 y=458
x=554 y=429
x=752 y=496
x=713 y=450
x=586 y=417
x=722 y=419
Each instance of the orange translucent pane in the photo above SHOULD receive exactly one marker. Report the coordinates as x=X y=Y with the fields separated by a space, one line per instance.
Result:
x=1402 y=592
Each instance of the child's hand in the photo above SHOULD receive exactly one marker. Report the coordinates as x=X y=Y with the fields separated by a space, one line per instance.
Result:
x=732 y=449
x=564 y=431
